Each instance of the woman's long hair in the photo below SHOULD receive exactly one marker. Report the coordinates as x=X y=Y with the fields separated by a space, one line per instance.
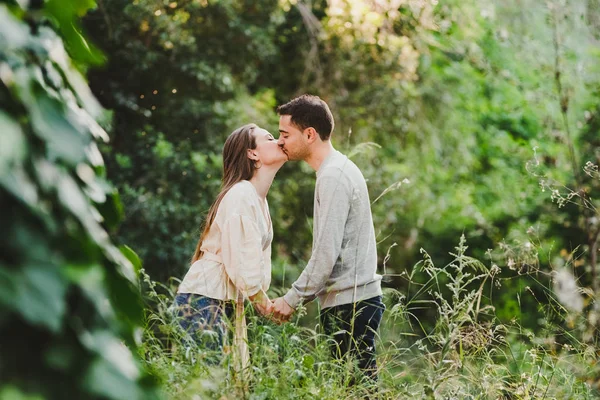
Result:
x=236 y=167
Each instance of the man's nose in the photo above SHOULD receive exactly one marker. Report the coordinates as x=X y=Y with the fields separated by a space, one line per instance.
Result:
x=280 y=142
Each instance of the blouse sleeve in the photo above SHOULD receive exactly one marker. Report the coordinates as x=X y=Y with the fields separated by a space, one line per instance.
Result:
x=242 y=254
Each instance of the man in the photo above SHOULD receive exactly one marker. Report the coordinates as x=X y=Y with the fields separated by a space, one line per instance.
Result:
x=342 y=269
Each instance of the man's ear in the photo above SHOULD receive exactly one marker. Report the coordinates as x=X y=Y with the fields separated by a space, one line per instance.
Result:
x=252 y=155
x=311 y=135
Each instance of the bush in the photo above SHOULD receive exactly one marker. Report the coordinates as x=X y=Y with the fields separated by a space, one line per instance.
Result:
x=69 y=302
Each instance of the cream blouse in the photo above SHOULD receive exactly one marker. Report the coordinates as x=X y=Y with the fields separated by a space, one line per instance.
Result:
x=237 y=249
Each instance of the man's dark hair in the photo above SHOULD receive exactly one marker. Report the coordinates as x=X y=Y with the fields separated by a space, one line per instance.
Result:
x=309 y=111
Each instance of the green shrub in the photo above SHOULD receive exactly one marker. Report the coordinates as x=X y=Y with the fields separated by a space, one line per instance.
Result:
x=69 y=302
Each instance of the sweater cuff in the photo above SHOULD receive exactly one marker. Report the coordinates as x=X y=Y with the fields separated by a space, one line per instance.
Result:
x=292 y=298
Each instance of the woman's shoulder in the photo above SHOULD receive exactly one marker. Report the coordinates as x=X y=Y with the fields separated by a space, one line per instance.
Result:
x=240 y=196
x=242 y=189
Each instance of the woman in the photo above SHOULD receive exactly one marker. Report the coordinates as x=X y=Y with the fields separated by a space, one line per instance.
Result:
x=232 y=260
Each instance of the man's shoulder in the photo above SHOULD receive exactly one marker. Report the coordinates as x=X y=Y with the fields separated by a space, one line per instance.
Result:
x=333 y=172
x=342 y=167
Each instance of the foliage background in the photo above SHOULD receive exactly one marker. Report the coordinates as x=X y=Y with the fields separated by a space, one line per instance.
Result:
x=460 y=98
x=474 y=118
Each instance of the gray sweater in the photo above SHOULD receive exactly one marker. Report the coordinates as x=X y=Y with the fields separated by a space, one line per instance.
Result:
x=342 y=267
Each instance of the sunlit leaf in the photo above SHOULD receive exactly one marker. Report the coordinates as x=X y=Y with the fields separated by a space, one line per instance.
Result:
x=113 y=350
x=12 y=143
x=20 y=185
x=106 y=380
x=131 y=256
x=66 y=15
x=75 y=80
x=13 y=35
x=10 y=392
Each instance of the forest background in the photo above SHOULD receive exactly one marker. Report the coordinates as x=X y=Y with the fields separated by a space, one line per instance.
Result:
x=473 y=119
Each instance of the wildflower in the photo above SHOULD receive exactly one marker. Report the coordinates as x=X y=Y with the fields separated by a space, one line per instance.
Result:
x=511 y=264
x=495 y=269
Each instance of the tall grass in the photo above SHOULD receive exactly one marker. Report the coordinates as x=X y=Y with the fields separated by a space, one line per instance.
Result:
x=440 y=339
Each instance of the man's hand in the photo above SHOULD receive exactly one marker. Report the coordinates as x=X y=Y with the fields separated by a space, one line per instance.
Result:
x=282 y=311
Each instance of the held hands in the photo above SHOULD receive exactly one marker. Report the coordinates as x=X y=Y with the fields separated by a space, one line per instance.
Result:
x=262 y=304
x=264 y=308
x=278 y=311
x=282 y=312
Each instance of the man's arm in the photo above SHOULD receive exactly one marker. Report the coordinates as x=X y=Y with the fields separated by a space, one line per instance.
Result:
x=334 y=194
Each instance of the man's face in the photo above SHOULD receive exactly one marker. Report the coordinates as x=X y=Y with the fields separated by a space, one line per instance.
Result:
x=292 y=140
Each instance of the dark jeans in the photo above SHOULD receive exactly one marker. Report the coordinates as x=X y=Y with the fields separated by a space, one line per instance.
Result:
x=204 y=319
x=353 y=328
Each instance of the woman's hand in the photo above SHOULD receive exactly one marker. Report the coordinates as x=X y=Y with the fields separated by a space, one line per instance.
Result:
x=265 y=309
x=262 y=304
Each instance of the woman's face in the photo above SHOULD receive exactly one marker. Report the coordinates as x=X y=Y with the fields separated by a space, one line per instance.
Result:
x=267 y=150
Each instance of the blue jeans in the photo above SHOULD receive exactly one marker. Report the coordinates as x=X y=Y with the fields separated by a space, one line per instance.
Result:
x=204 y=319
x=353 y=328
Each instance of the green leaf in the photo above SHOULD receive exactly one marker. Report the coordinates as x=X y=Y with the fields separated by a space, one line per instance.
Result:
x=60 y=356
x=8 y=287
x=12 y=144
x=106 y=344
x=111 y=210
x=75 y=81
x=72 y=197
x=64 y=137
x=126 y=294
x=40 y=296
x=91 y=281
x=13 y=34
x=10 y=392
x=104 y=379
x=308 y=361
x=132 y=257
x=18 y=183
x=65 y=15
x=27 y=239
